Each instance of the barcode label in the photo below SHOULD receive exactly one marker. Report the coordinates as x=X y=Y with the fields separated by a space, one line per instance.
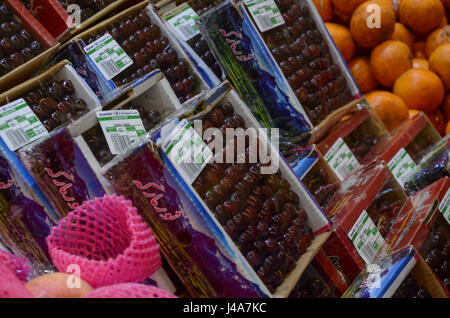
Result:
x=108 y=56
x=121 y=128
x=341 y=159
x=365 y=237
x=265 y=13
x=187 y=151
x=401 y=166
x=19 y=126
x=182 y=21
x=444 y=206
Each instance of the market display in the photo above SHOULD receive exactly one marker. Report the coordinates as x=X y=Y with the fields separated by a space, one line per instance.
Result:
x=225 y=149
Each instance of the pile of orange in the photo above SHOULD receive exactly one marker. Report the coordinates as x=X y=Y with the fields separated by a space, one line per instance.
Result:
x=399 y=54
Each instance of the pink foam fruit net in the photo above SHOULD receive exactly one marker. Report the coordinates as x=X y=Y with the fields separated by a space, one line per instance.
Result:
x=10 y=284
x=108 y=240
x=18 y=265
x=130 y=290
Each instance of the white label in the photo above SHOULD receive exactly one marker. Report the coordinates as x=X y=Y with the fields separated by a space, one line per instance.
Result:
x=341 y=159
x=108 y=56
x=365 y=237
x=183 y=22
x=444 y=207
x=121 y=128
x=402 y=166
x=19 y=125
x=265 y=13
x=187 y=151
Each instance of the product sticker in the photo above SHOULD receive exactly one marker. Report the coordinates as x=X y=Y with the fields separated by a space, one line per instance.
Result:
x=19 y=126
x=365 y=237
x=121 y=128
x=187 y=151
x=265 y=13
x=341 y=159
x=108 y=56
x=402 y=166
x=444 y=207
x=183 y=22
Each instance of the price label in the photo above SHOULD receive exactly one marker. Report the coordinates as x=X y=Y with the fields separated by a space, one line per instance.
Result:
x=182 y=22
x=19 y=126
x=365 y=237
x=402 y=166
x=187 y=151
x=444 y=207
x=265 y=13
x=121 y=128
x=341 y=159
x=108 y=56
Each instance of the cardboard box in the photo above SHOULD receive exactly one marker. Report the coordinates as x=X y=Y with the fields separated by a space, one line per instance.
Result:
x=346 y=145
x=362 y=212
x=312 y=169
x=108 y=90
x=27 y=69
x=236 y=280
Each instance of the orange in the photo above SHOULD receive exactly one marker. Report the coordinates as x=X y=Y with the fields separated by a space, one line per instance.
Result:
x=438 y=121
x=346 y=7
x=363 y=27
x=420 y=89
x=343 y=40
x=445 y=107
x=390 y=108
x=389 y=60
x=360 y=68
x=440 y=63
x=340 y=18
x=444 y=22
x=447 y=129
x=422 y=16
x=437 y=38
x=401 y=33
x=413 y=112
x=419 y=50
x=421 y=63
x=325 y=9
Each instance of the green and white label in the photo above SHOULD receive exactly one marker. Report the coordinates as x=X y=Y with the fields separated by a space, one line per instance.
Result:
x=187 y=151
x=121 y=128
x=182 y=21
x=265 y=13
x=19 y=125
x=341 y=159
x=365 y=237
x=444 y=207
x=108 y=56
x=402 y=166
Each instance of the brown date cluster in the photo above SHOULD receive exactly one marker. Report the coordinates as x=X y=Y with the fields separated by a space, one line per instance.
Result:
x=55 y=103
x=17 y=45
x=410 y=289
x=258 y=211
x=149 y=50
x=201 y=6
x=320 y=184
x=305 y=60
x=436 y=251
x=311 y=287
x=87 y=7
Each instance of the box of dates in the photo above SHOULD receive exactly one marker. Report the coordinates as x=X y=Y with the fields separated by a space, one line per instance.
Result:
x=241 y=211
x=311 y=168
x=402 y=151
x=320 y=280
x=433 y=165
x=362 y=212
x=403 y=274
x=106 y=133
x=345 y=146
x=296 y=44
x=26 y=45
x=181 y=22
x=24 y=222
x=426 y=228
x=243 y=63
x=125 y=48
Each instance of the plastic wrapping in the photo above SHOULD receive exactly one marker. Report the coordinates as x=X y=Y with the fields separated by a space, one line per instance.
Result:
x=304 y=55
x=434 y=164
x=24 y=223
x=309 y=165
